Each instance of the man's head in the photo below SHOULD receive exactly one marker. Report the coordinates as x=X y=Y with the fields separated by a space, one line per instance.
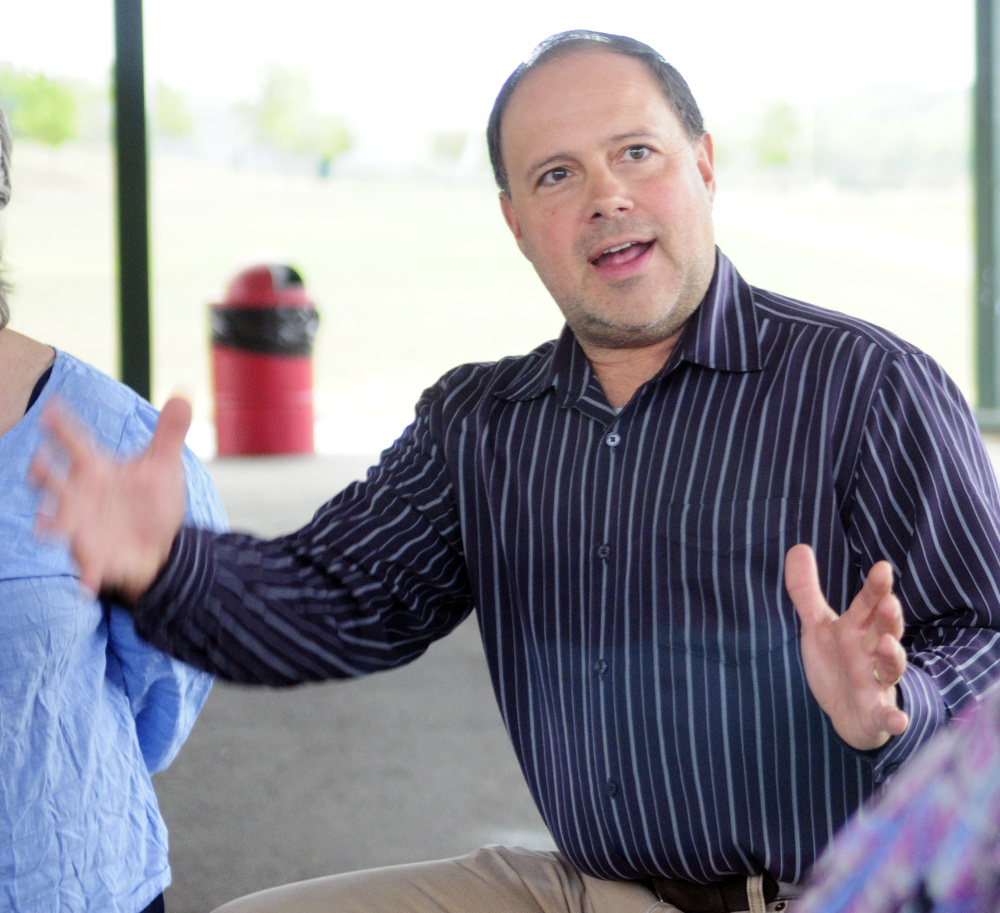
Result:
x=608 y=189
x=674 y=88
x=5 y=150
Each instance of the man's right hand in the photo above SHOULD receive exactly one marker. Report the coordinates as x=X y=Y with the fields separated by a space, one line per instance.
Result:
x=118 y=518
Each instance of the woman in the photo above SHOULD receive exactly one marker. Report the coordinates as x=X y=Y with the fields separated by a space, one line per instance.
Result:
x=87 y=710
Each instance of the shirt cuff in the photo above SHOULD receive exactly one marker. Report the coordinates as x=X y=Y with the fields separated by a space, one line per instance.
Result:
x=165 y=613
x=924 y=705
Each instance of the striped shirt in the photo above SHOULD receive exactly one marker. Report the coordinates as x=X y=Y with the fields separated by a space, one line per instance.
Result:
x=627 y=573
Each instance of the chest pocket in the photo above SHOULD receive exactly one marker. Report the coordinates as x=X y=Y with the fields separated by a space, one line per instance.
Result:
x=722 y=591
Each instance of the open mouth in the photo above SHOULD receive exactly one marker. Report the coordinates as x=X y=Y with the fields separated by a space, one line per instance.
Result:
x=622 y=253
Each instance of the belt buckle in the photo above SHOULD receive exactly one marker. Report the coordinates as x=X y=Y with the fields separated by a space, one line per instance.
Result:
x=726 y=896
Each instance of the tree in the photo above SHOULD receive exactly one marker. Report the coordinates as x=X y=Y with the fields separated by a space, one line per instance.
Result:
x=279 y=113
x=40 y=107
x=282 y=116
x=780 y=129
x=333 y=139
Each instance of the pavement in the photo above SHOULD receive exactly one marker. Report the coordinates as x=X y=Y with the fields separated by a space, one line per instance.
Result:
x=279 y=785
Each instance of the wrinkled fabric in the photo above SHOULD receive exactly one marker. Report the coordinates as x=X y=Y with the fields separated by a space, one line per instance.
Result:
x=88 y=710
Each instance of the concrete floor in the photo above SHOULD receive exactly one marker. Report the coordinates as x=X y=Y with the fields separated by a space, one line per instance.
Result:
x=280 y=785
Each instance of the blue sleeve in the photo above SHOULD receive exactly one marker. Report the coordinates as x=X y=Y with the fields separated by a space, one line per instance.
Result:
x=165 y=694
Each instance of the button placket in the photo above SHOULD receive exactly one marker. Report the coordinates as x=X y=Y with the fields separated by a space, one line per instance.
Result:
x=605 y=573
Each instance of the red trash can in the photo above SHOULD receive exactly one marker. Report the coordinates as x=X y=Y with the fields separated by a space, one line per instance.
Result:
x=262 y=373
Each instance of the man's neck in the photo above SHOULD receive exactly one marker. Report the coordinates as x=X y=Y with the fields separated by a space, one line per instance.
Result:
x=623 y=371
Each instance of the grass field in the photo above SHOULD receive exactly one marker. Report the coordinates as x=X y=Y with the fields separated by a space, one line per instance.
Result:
x=412 y=278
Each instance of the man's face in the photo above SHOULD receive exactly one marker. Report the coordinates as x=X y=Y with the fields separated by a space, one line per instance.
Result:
x=609 y=199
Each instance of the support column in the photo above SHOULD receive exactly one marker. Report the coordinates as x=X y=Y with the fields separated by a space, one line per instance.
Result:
x=133 y=195
x=987 y=212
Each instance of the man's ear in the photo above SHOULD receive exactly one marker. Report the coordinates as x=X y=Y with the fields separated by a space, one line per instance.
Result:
x=507 y=208
x=705 y=153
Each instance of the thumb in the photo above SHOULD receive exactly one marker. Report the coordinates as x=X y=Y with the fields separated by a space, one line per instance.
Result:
x=171 y=429
x=802 y=583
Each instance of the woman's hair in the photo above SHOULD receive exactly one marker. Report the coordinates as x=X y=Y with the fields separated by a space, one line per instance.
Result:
x=6 y=143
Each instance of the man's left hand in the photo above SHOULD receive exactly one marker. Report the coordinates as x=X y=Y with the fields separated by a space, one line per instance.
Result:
x=852 y=661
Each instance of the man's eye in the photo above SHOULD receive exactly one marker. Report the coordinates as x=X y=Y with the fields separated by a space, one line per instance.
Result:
x=554 y=176
x=637 y=153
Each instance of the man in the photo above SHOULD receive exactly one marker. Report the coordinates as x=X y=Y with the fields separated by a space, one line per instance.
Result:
x=617 y=507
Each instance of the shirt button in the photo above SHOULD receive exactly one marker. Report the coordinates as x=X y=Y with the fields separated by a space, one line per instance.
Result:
x=611 y=788
x=603 y=551
x=600 y=667
x=613 y=439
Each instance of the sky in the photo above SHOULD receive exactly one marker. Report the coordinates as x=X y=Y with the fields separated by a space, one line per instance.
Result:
x=395 y=65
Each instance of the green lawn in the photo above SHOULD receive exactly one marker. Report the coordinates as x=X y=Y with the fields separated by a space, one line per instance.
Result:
x=414 y=277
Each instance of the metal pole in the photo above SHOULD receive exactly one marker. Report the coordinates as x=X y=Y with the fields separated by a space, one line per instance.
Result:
x=987 y=210
x=133 y=194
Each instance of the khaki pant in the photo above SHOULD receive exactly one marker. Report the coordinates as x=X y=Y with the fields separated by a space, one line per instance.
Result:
x=494 y=879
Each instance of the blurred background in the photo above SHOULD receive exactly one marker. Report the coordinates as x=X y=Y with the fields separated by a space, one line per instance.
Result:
x=347 y=140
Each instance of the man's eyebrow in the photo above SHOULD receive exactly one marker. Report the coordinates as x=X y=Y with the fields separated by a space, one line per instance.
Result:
x=633 y=134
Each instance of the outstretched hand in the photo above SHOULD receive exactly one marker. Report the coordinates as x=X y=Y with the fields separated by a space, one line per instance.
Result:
x=852 y=661
x=118 y=518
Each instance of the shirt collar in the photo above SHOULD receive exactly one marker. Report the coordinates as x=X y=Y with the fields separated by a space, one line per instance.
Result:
x=721 y=335
x=561 y=366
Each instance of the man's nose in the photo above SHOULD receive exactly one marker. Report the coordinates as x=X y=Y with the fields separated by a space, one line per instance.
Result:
x=609 y=195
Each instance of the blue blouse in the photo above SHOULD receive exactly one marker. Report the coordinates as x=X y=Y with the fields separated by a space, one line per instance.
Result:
x=88 y=710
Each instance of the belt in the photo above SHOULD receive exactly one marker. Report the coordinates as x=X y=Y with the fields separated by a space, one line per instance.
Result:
x=728 y=896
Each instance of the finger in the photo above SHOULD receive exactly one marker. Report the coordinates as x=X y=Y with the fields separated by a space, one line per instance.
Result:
x=171 y=429
x=888 y=617
x=42 y=474
x=66 y=431
x=87 y=592
x=52 y=485
x=802 y=583
x=90 y=582
x=890 y=660
x=46 y=528
x=893 y=720
x=878 y=585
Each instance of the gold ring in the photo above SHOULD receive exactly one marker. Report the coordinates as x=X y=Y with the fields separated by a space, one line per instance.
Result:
x=878 y=677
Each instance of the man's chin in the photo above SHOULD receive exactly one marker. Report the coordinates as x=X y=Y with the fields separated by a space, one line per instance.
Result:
x=623 y=336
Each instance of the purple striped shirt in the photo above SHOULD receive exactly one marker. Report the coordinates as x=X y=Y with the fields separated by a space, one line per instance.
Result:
x=627 y=573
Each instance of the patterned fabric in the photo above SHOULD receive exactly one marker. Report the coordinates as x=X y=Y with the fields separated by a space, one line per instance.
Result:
x=932 y=841
x=87 y=710
x=627 y=573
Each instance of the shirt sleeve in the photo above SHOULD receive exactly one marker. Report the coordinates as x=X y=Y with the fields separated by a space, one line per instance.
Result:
x=926 y=500
x=164 y=694
x=369 y=584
